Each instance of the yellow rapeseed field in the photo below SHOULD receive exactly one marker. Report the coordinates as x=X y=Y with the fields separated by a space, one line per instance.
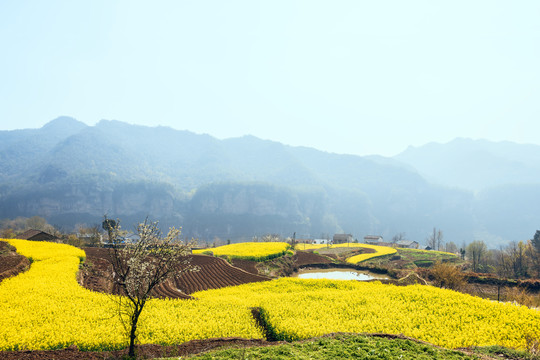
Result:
x=300 y=309
x=379 y=250
x=45 y=308
x=257 y=251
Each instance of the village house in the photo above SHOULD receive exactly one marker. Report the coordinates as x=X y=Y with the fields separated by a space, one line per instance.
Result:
x=373 y=239
x=342 y=238
x=37 y=235
x=408 y=244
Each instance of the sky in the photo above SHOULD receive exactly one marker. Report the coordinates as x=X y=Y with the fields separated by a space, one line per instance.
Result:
x=355 y=77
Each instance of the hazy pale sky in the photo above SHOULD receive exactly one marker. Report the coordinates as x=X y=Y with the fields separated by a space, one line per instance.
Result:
x=359 y=77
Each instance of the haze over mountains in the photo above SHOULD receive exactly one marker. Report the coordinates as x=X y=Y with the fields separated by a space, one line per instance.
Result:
x=237 y=188
x=475 y=164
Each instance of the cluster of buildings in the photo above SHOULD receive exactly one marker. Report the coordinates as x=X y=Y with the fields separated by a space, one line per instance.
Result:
x=38 y=235
x=368 y=239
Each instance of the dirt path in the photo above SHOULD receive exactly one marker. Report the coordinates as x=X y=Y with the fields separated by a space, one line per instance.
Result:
x=143 y=351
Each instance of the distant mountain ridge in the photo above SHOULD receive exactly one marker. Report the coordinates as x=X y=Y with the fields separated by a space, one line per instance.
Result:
x=504 y=176
x=475 y=164
x=237 y=188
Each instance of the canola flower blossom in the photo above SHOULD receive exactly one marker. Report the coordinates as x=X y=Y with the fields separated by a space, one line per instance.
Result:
x=257 y=251
x=45 y=250
x=45 y=308
x=379 y=250
x=299 y=309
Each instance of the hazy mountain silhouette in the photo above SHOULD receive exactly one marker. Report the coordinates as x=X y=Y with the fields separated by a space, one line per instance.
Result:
x=475 y=164
x=72 y=173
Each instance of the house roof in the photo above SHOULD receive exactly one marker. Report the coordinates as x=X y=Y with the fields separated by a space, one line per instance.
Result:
x=406 y=242
x=373 y=237
x=28 y=234
x=32 y=233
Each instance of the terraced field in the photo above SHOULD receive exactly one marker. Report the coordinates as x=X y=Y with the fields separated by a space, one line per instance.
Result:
x=256 y=251
x=304 y=258
x=354 y=252
x=45 y=308
x=214 y=273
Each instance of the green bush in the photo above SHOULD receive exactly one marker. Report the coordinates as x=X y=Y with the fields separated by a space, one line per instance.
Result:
x=424 y=263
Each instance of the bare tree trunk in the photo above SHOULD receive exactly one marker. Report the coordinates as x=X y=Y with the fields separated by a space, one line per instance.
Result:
x=133 y=331
x=132 y=340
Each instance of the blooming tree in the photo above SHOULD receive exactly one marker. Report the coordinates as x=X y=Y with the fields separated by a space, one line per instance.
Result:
x=140 y=266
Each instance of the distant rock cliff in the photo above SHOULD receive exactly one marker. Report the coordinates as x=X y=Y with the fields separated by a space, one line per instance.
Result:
x=71 y=173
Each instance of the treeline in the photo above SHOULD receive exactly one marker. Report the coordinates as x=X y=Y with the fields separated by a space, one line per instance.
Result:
x=517 y=260
x=11 y=228
x=84 y=235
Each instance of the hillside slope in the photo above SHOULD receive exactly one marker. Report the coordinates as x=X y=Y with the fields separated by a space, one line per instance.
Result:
x=237 y=188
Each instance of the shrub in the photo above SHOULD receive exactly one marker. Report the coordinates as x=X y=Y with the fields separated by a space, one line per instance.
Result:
x=522 y=297
x=423 y=263
x=447 y=276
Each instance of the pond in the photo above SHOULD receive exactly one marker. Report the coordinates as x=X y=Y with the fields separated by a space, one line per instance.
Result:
x=339 y=274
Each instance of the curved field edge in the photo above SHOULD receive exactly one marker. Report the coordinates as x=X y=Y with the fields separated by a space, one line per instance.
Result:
x=294 y=309
x=342 y=346
x=255 y=251
x=47 y=309
x=379 y=250
x=213 y=272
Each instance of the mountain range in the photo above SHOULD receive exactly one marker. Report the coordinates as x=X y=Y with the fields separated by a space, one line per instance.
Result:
x=71 y=173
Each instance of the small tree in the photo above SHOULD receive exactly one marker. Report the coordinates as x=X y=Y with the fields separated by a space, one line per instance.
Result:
x=139 y=267
x=451 y=248
x=435 y=240
x=89 y=235
x=476 y=252
x=110 y=226
x=536 y=240
x=398 y=237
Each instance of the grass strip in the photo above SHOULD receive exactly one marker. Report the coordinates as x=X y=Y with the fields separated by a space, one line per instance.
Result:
x=341 y=346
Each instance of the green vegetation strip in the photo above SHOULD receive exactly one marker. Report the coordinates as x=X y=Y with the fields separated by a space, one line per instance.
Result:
x=341 y=346
x=500 y=352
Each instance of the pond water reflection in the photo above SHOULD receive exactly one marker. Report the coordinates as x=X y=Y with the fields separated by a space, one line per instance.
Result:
x=339 y=274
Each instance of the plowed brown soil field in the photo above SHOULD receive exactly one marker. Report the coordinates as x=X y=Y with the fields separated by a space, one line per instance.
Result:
x=11 y=263
x=246 y=265
x=214 y=273
x=304 y=258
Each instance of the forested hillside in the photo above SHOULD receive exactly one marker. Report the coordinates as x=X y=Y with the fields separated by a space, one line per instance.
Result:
x=71 y=173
